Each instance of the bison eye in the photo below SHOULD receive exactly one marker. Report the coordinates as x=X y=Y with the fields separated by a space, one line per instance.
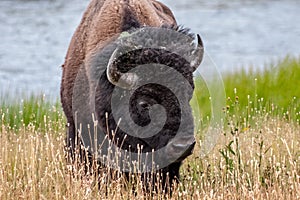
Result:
x=143 y=104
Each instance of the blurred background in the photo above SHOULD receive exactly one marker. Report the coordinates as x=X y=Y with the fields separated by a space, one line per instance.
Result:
x=35 y=35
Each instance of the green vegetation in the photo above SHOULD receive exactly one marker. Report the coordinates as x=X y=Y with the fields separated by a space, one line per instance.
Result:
x=274 y=88
x=256 y=156
x=34 y=111
x=277 y=87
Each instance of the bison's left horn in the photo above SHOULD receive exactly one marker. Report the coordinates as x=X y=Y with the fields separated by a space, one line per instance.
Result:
x=122 y=80
x=197 y=54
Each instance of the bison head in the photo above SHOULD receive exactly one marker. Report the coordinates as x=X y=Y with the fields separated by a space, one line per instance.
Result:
x=139 y=88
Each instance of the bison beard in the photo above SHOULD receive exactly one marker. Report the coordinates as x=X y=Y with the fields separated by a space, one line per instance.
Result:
x=86 y=52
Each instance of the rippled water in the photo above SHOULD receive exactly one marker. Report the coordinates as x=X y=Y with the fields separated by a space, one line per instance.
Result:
x=35 y=36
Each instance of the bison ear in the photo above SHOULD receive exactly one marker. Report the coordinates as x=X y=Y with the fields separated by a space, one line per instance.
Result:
x=197 y=54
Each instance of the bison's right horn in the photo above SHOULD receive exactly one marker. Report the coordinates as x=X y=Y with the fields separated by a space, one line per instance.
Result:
x=197 y=55
x=122 y=80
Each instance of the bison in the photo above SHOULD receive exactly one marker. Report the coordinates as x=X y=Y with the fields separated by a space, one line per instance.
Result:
x=99 y=63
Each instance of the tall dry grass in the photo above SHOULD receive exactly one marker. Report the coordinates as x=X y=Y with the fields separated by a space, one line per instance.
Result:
x=249 y=162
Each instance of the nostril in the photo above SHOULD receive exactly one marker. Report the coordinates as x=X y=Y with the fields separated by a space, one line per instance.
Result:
x=184 y=145
x=180 y=145
x=184 y=142
x=180 y=148
x=188 y=151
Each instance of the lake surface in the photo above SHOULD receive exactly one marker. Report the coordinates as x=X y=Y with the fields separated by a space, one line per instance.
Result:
x=237 y=34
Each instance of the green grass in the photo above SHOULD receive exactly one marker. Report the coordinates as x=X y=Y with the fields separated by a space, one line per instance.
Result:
x=35 y=111
x=275 y=88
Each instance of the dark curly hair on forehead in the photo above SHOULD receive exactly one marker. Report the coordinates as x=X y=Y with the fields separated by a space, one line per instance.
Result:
x=180 y=29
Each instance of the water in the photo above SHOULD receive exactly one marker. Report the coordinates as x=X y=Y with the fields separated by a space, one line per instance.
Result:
x=35 y=36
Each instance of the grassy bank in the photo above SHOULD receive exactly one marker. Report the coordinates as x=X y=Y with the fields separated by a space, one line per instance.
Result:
x=274 y=88
x=257 y=155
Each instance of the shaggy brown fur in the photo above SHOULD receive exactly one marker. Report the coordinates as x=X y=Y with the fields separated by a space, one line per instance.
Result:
x=102 y=20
